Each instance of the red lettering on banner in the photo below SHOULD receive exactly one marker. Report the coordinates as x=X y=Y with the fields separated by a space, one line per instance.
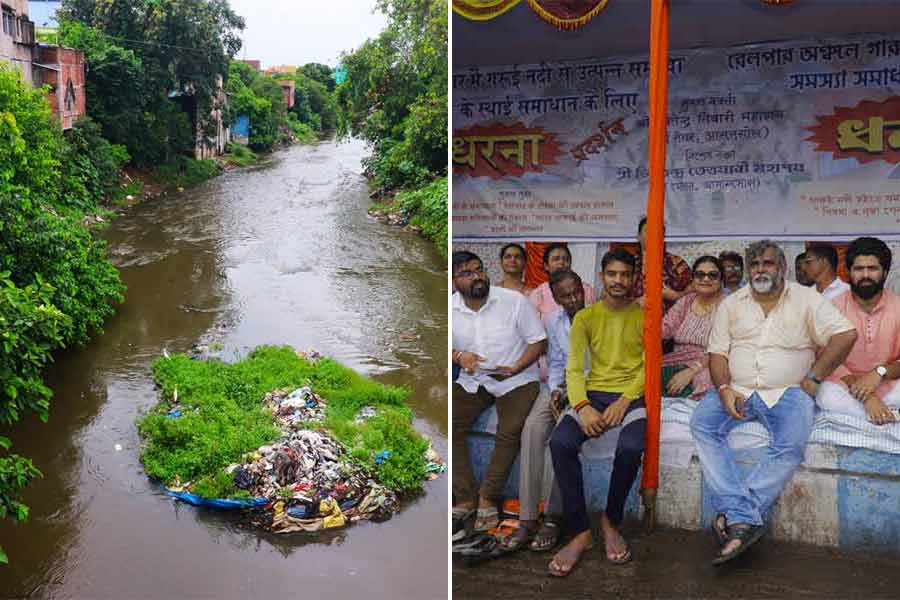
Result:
x=498 y=151
x=868 y=132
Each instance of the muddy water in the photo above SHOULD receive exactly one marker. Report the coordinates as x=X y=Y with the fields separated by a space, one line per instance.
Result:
x=280 y=254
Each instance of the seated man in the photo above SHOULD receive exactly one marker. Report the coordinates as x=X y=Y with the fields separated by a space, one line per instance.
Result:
x=763 y=363
x=556 y=258
x=865 y=386
x=568 y=292
x=820 y=266
x=800 y=270
x=497 y=338
x=732 y=270
x=611 y=331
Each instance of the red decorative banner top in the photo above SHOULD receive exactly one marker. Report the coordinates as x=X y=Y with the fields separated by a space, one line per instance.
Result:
x=567 y=14
x=482 y=10
x=498 y=150
x=868 y=132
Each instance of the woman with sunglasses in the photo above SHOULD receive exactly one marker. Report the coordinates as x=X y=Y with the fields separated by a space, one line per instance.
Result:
x=685 y=370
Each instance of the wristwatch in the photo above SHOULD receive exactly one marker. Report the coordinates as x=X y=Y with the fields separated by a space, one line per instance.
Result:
x=812 y=377
x=881 y=370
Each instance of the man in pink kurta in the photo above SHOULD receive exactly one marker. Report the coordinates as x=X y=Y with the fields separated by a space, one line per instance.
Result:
x=865 y=385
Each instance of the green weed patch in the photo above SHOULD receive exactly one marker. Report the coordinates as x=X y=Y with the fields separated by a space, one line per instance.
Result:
x=223 y=418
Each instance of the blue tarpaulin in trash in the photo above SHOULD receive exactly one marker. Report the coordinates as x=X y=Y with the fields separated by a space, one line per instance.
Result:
x=195 y=500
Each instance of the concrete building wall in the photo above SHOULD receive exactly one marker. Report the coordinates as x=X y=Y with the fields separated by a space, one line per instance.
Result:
x=16 y=37
x=213 y=136
x=288 y=86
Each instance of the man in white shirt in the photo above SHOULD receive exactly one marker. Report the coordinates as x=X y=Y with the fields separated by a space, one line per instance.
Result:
x=764 y=366
x=820 y=266
x=497 y=338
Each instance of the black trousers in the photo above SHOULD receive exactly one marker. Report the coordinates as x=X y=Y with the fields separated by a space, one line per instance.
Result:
x=565 y=448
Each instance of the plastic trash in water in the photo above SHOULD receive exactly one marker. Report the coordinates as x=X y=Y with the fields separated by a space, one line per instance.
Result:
x=366 y=412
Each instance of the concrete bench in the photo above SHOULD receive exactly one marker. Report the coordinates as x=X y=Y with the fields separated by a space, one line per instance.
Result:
x=840 y=497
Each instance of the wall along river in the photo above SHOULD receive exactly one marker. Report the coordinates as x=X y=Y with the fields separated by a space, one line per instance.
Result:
x=283 y=253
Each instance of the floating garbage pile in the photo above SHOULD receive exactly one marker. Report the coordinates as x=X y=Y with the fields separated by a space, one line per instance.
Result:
x=311 y=488
x=307 y=479
x=293 y=408
x=301 y=482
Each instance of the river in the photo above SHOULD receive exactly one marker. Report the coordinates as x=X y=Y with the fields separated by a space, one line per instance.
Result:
x=283 y=253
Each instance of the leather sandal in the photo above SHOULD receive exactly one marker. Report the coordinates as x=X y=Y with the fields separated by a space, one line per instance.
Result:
x=746 y=534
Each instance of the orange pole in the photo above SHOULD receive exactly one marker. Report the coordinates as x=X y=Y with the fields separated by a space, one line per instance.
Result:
x=653 y=259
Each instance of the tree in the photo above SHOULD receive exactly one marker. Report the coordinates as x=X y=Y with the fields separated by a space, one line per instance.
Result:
x=141 y=51
x=314 y=104
x=395 y=94
x=56 y=284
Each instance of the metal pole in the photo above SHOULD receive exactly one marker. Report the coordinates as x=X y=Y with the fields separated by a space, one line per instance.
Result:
x=653 y=259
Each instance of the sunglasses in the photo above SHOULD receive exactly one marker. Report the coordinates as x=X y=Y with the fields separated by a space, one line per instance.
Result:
x=711 y=275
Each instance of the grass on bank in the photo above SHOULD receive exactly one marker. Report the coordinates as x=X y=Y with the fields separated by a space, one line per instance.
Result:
x=427 y=208
x=223 y=418
x=185 y=172
x=241 y=155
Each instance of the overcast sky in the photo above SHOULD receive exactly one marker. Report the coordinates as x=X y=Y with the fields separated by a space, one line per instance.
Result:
x=296 y=32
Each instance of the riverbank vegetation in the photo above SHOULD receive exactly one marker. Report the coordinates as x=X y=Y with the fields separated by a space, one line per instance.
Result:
x=395 y=98
x=56 y=285
x=222 y=417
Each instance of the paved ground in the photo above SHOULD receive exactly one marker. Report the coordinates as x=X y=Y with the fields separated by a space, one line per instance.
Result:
x=675 y=564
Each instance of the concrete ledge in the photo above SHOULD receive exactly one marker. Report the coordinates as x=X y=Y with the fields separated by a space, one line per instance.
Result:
x=840 y=497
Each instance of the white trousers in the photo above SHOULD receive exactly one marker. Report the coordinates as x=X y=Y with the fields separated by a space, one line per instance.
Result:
x=835 y=397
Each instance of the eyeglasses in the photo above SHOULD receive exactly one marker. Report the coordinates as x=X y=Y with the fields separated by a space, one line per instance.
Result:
x=711 y=275
x=470 y=274
x=732 y=268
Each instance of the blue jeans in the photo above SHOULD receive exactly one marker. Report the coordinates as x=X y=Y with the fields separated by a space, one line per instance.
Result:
x=789 y=424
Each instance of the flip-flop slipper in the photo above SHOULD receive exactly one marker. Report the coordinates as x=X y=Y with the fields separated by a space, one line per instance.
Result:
x=486 y=518
x=720 y=533
x=549 y=531
x=486 y=548
x=460 y=516
x=560 y=572
x=517 y=540
x=471 y=543
x=620 y=560
x=747 y=535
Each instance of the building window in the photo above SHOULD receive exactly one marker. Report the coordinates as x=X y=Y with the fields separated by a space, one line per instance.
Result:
x=9 y=22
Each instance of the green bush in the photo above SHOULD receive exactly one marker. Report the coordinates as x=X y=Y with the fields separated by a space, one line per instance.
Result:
x=16 y=473
x=90 y=166
x=427 y=208
x=38 y=245
x=30 y=329
x=56 y=284
x=303 y=132
x=186 y=172
x=241 y=155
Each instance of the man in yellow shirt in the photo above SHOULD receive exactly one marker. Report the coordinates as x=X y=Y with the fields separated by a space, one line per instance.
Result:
x=611 y=332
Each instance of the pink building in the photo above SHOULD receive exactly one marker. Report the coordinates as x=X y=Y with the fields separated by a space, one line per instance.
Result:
x=288 y=86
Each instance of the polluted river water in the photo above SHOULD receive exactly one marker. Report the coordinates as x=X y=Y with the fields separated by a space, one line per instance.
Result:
x=283 y=253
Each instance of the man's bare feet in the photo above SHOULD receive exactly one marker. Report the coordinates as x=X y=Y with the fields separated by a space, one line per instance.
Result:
x=617 y=550
x=566 y=559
